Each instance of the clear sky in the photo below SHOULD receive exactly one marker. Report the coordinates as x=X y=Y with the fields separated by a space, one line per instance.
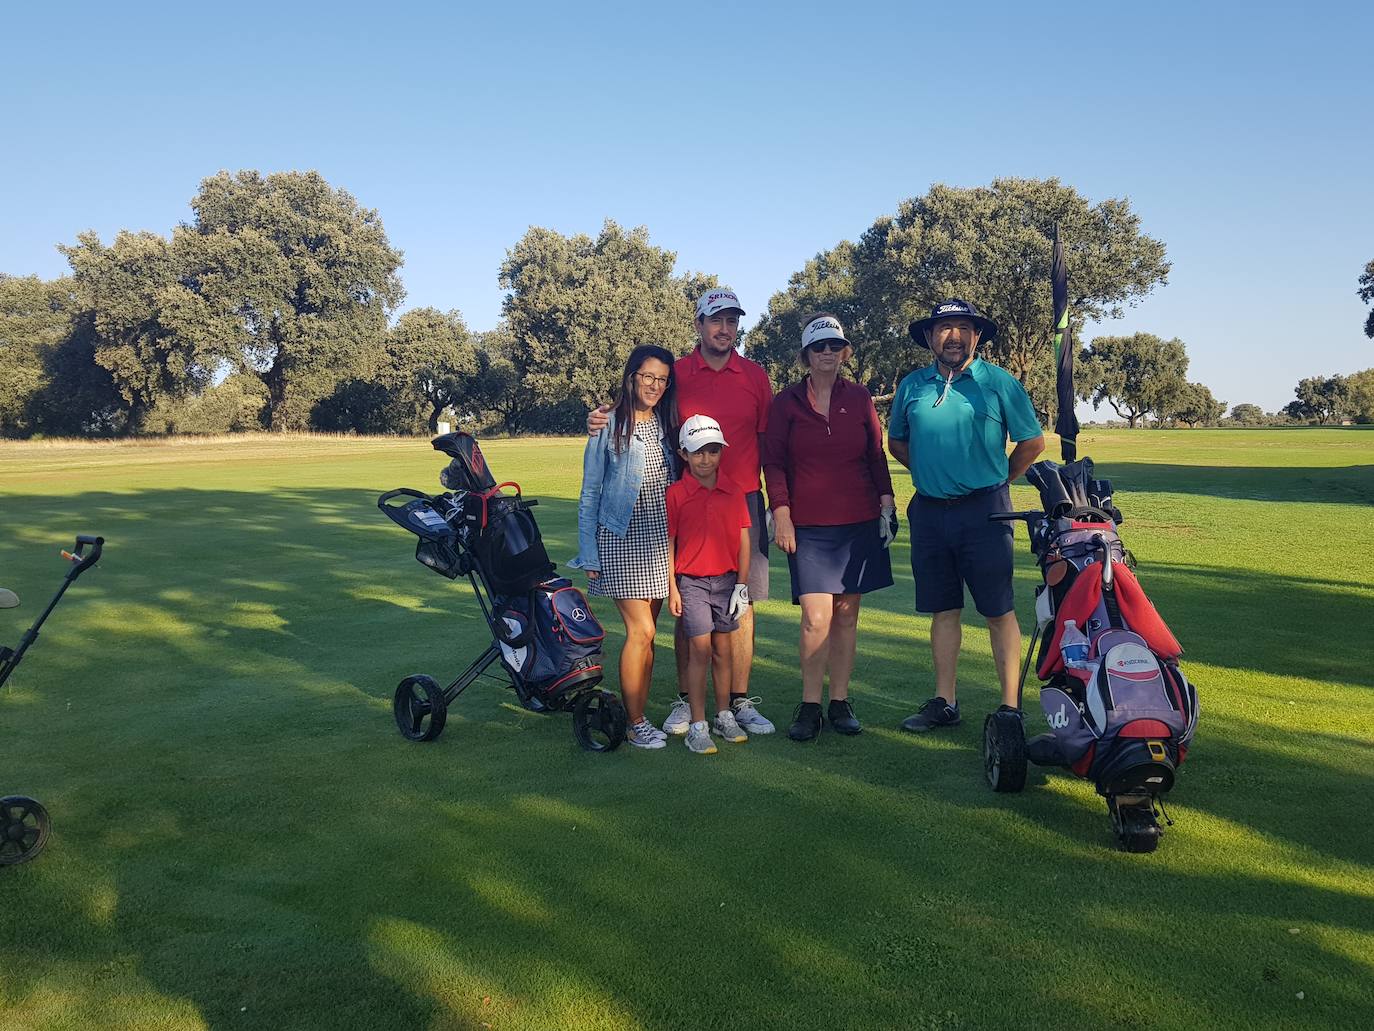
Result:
x=746 y=137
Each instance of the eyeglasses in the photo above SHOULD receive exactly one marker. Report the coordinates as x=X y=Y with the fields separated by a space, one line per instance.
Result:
x=832 y=345
x=650 y=380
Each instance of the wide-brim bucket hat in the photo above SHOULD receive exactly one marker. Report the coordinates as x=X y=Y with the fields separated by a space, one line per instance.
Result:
x=954 y=308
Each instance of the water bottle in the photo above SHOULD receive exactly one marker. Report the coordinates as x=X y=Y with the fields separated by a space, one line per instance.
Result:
x=1073 y=645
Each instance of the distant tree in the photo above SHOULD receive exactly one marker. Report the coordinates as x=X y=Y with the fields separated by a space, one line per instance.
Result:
x=992 y=246
x=1320 y=398
x=149 y=320
x=297 y=280
x=35 y=317
x=1195 y=406
x=431 y=363
x=1136 y=375
x=79 y=396
x=1248 y=415
x=234 y=405
x=1360 y=394
x=497 y=393
x=1367 y=295
x=577 y=306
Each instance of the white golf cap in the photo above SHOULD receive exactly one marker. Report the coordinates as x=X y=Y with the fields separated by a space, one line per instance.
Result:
x=824 y=328
x=698 y=431
x=713 y=301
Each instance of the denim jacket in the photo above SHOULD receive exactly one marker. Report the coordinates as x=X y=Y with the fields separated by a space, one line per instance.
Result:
x=610 y=486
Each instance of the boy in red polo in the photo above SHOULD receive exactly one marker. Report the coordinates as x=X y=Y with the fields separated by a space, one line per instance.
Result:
x=708 y=566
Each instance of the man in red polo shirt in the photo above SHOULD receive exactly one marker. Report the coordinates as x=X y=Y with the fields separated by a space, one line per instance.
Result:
x=717 y=381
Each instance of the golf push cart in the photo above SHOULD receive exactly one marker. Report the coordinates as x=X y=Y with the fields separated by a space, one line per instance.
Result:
x=24 y=823
x=1120 y=710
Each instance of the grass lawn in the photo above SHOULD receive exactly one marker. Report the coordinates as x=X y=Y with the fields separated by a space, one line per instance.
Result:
x=242 y=839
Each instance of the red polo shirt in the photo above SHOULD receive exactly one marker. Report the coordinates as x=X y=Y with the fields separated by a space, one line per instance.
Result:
x=829 y=470
x=706 y=525
x=737 y=397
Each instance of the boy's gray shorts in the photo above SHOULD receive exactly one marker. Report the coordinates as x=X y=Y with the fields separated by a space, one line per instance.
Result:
x=706 y=603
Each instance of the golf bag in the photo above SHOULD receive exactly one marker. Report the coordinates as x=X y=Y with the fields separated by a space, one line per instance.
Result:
x=1120 y=709
x=543 y=631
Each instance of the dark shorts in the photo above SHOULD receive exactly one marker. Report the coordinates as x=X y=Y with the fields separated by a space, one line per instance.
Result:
x=953 y=543
x=758 y=554
x=847 y=559
x=706 y=603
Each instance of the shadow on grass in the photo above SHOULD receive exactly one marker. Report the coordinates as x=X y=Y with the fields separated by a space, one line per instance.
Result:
x=1351 y=485
x=241 y=830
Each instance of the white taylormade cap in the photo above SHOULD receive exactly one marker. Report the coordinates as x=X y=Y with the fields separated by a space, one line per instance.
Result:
x=698 y=431
x=713 y=301
x=823 y=328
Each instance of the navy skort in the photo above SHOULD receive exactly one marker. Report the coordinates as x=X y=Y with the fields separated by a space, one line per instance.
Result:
x=848 y=559
x=953 y=544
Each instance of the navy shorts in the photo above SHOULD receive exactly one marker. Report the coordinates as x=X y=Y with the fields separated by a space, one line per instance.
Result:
x=953 y=543
x=706 y=603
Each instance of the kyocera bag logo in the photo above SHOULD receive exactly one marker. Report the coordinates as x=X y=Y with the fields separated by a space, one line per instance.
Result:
x=1126 y=663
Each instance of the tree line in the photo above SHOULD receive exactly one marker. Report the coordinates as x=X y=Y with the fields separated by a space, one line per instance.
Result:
x=274 y=307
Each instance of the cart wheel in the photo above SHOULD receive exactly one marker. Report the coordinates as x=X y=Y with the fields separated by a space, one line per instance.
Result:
x=1004 y=751
x=24 y=827
x=598 y=721
x=419 y=708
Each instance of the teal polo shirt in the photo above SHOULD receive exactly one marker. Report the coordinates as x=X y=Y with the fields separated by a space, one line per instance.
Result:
x=961 y=446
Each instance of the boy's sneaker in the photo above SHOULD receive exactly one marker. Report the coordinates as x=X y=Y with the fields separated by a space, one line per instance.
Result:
x=679 y=717
x=645 y=735
x=726 y=727
x=748 y=717
x=806 y=722
x=934 y=713
x=699 y=738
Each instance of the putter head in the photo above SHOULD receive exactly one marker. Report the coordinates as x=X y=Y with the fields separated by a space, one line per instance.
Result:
x=8 y=599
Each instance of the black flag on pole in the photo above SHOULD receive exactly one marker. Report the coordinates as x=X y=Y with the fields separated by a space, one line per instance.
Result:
x=1066 y=421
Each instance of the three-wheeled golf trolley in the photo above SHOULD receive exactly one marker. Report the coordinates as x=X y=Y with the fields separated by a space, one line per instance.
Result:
x=543 y=631
x=1121 y=712
x=24 y=823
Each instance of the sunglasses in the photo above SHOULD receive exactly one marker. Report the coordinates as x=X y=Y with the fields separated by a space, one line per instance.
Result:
x=828 y=345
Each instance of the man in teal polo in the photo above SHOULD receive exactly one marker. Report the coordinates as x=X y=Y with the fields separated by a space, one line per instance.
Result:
x=950 y=424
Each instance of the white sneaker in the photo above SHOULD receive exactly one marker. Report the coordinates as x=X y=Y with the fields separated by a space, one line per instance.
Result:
x=699 y=738
x=725 y=726
x=645 y=735
x=748 y=717
x=679 y=718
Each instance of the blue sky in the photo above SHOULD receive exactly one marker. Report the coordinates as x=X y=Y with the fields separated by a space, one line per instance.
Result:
x=745 y=137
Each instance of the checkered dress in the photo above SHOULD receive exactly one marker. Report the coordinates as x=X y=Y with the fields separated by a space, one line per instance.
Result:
x=636 y=565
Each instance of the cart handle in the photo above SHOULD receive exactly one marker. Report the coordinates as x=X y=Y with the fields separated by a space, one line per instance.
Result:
x=82 y=560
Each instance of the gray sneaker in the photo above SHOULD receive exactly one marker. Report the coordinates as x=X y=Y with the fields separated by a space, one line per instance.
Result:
x=724 y=726
x=699 y=738
x=748 y=717
x=645 y=735
x=679 y=718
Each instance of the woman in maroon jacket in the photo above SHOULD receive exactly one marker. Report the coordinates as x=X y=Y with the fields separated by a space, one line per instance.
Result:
x=831 y=496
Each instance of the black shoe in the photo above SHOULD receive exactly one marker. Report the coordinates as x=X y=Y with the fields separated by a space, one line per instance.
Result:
x=842 y=718
x=806 y=722
x=935 y=713
x=1013 y=710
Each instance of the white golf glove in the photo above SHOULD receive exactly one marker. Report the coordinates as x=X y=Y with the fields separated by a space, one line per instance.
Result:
x=739 y=601
x=768 y=522
x=887 y=526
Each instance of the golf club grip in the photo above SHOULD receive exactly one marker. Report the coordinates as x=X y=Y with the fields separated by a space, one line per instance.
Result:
x=84 y=562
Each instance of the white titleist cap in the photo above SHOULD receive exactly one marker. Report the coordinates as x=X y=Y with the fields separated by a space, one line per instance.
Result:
x=698 y=431
x=823 y=328
x=714 y=301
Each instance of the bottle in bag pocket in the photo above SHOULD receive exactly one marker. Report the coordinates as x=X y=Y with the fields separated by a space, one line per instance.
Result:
x=1073 y=646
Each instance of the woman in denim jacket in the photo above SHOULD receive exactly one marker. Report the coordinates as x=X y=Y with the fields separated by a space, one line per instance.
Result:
x=622 y=520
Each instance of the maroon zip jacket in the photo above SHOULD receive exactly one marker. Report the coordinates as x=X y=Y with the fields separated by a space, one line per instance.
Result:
x=829 y=471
